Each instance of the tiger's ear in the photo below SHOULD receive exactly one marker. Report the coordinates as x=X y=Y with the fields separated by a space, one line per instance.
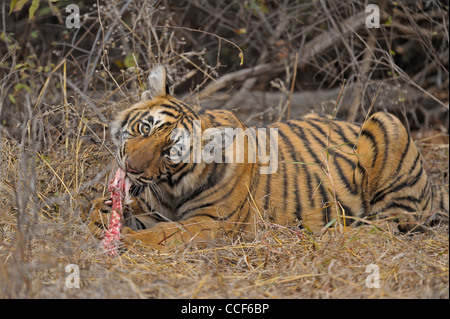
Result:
x=156 y=83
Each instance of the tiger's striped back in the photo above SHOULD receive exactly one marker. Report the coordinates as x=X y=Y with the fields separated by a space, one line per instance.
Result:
x=314 y=156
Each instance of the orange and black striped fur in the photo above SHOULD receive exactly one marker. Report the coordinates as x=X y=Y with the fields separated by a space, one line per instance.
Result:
x=327 y=169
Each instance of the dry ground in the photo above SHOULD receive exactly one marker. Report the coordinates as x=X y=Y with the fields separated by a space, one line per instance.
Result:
x=278 y=263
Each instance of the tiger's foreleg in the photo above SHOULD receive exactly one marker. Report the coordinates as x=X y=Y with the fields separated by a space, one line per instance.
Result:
x=197 y=230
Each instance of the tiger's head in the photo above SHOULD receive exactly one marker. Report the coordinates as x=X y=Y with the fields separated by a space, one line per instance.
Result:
x=147 y=147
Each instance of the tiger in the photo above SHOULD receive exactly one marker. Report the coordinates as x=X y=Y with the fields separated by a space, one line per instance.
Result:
x=327 y=172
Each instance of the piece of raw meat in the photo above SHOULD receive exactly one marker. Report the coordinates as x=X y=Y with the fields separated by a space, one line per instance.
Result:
x=118 y=187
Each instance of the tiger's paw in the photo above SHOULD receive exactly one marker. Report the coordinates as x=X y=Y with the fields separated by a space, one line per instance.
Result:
x=99 y=216
x=144 y=239
x=129 y=237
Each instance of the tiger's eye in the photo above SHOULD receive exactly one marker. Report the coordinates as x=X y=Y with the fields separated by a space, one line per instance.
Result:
x=144 y=128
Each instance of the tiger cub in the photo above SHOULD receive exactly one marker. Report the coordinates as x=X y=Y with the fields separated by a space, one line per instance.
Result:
x=318 y=171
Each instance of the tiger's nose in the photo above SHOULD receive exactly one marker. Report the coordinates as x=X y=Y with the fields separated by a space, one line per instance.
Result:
x=129 y=168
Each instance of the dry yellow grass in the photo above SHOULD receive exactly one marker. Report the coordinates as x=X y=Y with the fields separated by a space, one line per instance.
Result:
x=277 y=263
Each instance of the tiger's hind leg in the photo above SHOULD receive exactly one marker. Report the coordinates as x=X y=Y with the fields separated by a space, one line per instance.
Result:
x=390 y=173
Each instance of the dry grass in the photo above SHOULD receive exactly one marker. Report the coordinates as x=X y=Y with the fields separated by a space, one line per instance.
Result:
x=290 y=266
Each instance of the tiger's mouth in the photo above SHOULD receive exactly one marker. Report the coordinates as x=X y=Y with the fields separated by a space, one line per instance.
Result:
x=132 y=175
x=138 y=179
x=130 y=169
x=133 y=179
